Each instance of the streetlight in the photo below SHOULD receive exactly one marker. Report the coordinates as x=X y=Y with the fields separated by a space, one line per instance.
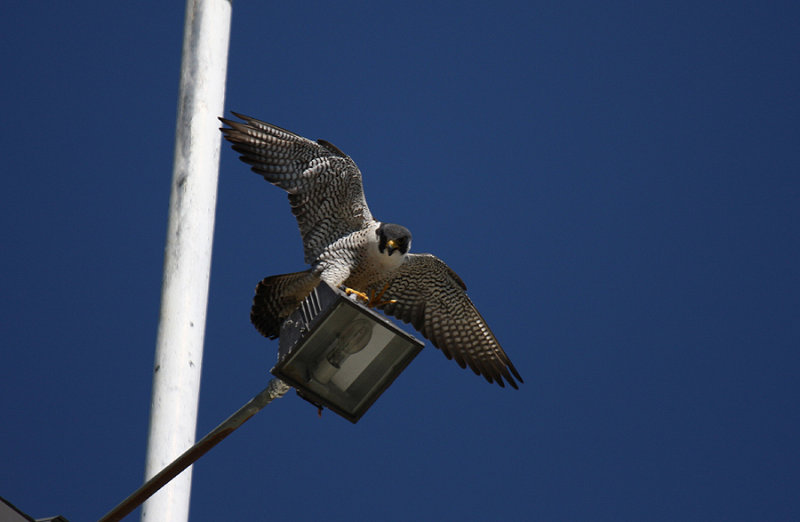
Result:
x=340 y=354
x=335 y=352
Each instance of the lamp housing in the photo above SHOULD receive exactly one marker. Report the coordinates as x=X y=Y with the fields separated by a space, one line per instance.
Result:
x=340 y=354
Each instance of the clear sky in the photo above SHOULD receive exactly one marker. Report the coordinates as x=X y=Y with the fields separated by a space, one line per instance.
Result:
x=616 y=182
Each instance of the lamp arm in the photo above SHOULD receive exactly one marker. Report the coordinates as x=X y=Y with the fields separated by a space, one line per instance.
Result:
x=275 y=389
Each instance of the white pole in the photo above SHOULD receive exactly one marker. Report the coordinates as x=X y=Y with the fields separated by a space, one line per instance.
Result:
x=187 y=258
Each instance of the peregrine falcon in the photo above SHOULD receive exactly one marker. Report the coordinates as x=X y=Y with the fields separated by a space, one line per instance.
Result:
x=346 y=247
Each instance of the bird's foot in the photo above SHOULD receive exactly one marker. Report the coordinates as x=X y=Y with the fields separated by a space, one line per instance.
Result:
x=376 y=298
x=373 y=299
x=362 y=295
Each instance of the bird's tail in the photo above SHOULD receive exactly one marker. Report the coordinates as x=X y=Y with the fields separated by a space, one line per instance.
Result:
x=277 y=297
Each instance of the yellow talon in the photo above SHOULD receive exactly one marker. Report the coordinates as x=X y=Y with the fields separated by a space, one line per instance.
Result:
x=362 y=295
x=376 y=300
x=373 y=299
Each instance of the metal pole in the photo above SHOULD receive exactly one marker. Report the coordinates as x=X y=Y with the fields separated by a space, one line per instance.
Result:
x=275 y=389
x=187 y=258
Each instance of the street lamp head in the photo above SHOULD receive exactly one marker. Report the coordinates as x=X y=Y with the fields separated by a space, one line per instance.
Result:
x=339 y=354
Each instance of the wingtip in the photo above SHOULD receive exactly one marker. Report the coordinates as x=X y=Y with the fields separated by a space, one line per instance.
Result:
x=510 y=380
x=232 y=123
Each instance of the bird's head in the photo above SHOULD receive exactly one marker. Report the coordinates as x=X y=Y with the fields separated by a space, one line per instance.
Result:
x=392 y=237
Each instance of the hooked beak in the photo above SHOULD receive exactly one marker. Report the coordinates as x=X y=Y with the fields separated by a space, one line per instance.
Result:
x=391 y=246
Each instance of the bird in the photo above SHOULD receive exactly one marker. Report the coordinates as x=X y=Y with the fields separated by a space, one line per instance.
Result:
x=347 y=248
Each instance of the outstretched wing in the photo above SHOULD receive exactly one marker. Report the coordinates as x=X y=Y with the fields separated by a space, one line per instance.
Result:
x=432 y=297
x=324 y=184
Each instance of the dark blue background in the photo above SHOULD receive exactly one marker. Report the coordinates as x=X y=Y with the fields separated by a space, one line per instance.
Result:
x=616 y=182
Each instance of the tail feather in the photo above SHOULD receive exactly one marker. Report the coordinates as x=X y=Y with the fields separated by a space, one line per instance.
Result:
x=277 y=297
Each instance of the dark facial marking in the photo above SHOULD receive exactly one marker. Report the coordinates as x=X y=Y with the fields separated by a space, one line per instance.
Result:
x=390 y=231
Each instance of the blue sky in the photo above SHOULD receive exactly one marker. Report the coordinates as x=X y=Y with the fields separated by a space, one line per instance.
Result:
x=617 y=183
